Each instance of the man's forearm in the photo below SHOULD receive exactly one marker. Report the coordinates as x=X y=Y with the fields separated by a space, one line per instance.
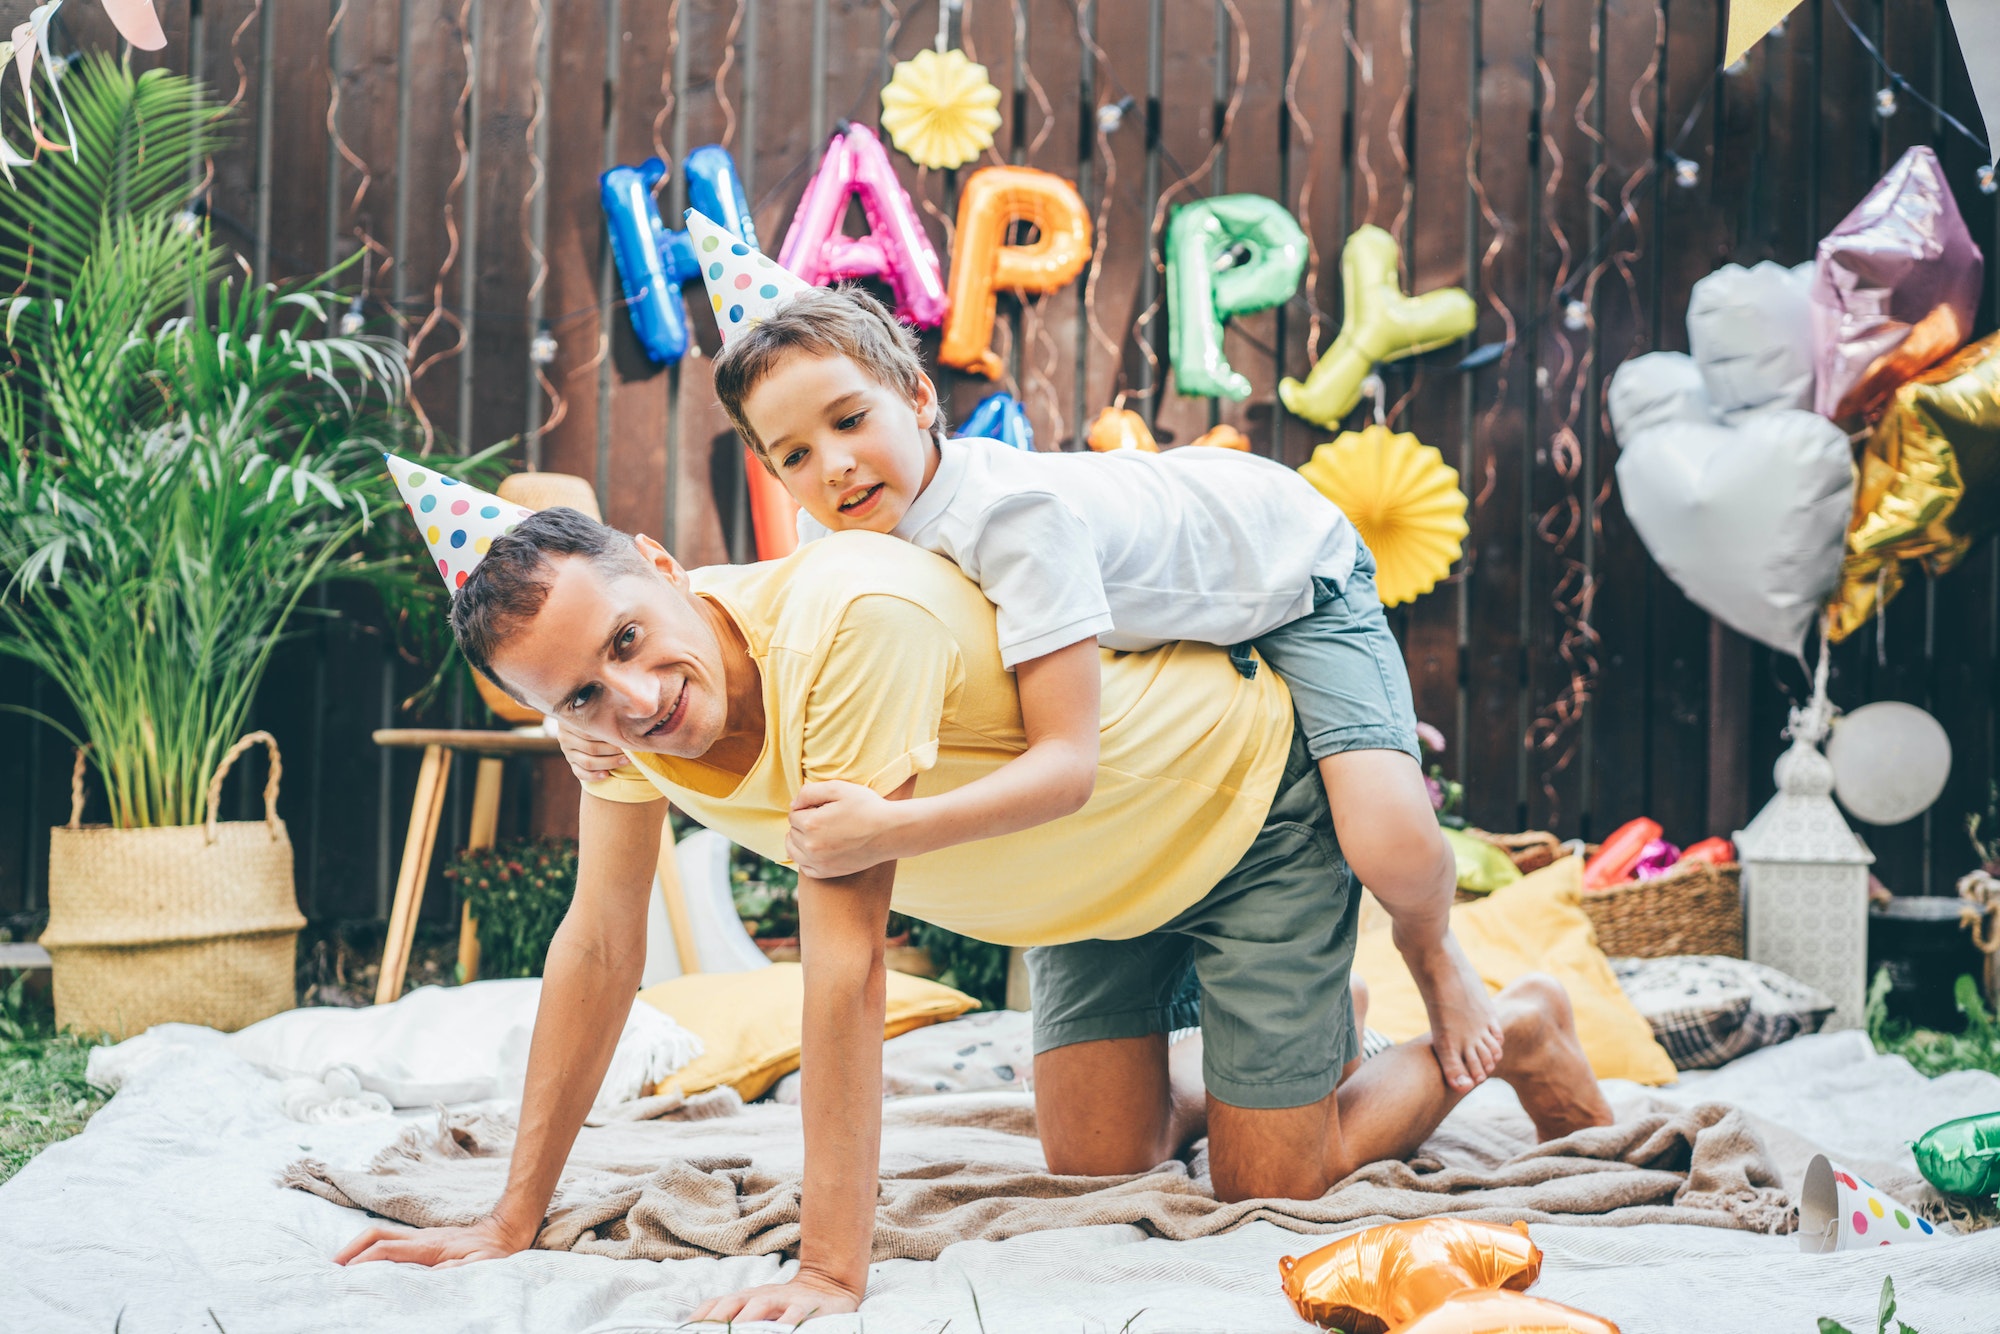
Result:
x=846 y=983
x=587 y=993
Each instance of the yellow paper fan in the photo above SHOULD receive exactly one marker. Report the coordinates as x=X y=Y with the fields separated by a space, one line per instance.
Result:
x=940 y=109
x=1404 y=500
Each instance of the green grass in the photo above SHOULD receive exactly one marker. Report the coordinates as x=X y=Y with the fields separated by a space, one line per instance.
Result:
x=42 y=1094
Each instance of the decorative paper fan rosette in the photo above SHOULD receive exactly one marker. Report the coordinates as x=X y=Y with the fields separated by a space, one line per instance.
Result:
x=1404 y=500
x=940 y=109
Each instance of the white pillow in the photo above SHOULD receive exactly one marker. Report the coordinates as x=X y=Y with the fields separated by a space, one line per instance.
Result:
x=451 y=1044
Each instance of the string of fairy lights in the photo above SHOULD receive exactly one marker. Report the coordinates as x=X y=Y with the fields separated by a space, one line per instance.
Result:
x=1569 y=314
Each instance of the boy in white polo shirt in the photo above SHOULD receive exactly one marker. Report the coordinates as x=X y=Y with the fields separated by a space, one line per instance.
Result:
x=1078 y=552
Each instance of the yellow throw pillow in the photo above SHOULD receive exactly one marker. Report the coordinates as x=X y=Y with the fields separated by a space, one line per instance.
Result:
x=748 y=1023
x=1535 y=925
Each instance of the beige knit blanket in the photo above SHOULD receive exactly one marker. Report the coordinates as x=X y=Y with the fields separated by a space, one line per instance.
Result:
x=716 y=1178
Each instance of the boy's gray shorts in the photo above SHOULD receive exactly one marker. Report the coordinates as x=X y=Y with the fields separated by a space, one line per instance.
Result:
x=1344 y=668
x=1261 y=964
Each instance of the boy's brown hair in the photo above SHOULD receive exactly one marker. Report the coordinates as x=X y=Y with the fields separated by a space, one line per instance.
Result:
x=822 y=322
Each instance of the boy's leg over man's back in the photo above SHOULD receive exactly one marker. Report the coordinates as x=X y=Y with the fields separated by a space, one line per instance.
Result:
x=1262 y=964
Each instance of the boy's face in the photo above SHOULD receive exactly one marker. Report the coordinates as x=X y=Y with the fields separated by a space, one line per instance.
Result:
x=854 y=452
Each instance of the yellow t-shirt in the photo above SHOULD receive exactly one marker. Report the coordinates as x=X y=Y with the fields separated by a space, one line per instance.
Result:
x=879 y=661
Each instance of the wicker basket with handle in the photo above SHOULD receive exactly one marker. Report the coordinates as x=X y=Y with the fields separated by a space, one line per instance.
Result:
x=1696 y=908
x=191 y=924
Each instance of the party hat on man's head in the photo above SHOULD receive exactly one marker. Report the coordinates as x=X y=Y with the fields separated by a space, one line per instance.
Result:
x=459 y=522
x=744 y=286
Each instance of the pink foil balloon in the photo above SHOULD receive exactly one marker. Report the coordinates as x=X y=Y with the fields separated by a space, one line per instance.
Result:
x=895 y=249
x=1894 y=289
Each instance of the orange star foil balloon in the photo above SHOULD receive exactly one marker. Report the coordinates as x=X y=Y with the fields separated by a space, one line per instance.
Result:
x=1503 y=1312
x=1383 y=1278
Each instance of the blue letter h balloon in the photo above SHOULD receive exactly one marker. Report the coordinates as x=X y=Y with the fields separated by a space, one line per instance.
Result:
x=652 y=261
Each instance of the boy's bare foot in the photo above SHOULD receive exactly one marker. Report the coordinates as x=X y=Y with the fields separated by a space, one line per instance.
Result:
x=1465 y=1030
x=1544 y=1061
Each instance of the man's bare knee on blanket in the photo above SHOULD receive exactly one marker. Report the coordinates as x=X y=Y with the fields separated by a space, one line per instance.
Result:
x=1200 y=883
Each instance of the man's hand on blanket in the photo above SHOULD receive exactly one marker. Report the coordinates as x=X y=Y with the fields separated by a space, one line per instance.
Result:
x=591 y=761
x=806 y=1296
x=438 y=1247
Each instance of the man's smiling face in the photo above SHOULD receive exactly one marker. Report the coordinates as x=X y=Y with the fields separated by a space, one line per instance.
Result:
x=623 y=657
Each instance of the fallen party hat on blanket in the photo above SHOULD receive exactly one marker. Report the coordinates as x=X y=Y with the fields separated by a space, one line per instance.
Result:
x=744 y=285
x=1840 y=1210
x=459 y=522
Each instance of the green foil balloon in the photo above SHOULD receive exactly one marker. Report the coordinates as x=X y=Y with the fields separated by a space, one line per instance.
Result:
x=1204 y=289
x=1962 y=1157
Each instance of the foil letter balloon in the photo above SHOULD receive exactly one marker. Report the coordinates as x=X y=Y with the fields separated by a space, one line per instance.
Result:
x=1962 y=1157
x=1403 y=499
x=1488 y=1312
x=1205 y=286
x=895 y=250
x=1000 y=417
x=1930 y=482
x=1378 y=323
x=652 y=261
x=1383 y=1277
x=1747 y=518
x=982 y=263
x=1894 y=289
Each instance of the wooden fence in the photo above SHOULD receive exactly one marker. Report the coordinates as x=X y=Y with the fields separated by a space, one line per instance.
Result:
x=1521 y=148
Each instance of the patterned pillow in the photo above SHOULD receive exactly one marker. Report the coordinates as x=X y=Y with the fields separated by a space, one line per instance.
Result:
x=1707 y=1010
x=993 y=1049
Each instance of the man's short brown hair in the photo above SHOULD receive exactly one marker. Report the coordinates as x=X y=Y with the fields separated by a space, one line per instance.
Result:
x=822 y=322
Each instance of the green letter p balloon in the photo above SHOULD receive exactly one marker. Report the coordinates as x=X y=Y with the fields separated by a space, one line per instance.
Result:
x=1204 y=290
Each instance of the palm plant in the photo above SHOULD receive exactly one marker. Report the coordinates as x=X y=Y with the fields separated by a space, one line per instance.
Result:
x=171 y=485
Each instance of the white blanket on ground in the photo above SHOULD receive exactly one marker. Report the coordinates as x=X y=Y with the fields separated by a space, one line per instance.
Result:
x=167 y=1209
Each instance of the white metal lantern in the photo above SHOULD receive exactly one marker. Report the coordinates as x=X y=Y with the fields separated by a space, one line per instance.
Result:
x=1805 y=873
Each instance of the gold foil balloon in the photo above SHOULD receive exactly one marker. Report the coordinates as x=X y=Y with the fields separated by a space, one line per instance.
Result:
x=1930 y=482
x=1120 y=428
x=1378 y=323
x=1384 y=1277
x=1505 y=1312
x=1404 y=500
x=940 y=109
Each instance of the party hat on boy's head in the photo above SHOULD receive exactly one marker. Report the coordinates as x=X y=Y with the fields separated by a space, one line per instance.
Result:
x=459 y=522
x=744 y=286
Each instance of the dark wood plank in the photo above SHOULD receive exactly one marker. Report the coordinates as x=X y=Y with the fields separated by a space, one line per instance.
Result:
x=497 y=248
x=1046 y=136
x=436 y=229
x=297 y=198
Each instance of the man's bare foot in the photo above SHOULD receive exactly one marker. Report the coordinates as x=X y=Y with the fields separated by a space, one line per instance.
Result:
x=1544 y=1061
x=1465 y=1030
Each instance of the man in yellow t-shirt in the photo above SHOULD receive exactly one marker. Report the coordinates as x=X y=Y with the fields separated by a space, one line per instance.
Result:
x=1199 y=884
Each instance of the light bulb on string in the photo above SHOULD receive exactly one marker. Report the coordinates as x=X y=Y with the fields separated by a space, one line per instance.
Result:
x=1885 y=102
x=351 y=319
x=187 y=222
x=1987 y=182
x=1111 y=115
x=1736 y=67
x=542 y=350
x=1576 y=315
x=1687 y=173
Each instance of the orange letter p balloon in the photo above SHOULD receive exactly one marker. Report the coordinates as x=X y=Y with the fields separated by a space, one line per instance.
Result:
x=982 y=263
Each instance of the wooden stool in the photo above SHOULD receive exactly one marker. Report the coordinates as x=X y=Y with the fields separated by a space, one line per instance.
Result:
x=438 y=746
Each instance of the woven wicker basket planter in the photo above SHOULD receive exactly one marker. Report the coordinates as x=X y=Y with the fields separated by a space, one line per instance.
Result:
x=192 y=924
x=1693 y=909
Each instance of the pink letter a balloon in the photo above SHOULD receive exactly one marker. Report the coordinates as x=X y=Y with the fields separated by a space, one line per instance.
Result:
x=895 y=249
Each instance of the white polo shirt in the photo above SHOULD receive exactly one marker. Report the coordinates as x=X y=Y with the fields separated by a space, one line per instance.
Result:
x=1211 y=545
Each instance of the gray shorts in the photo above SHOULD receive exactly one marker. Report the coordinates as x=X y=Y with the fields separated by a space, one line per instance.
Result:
x=1344 y=668
x=1260 y=964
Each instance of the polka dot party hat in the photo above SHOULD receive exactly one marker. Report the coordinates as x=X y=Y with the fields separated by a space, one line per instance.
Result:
x=459 y=522
x=1841 y=1210
x=744 y=286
